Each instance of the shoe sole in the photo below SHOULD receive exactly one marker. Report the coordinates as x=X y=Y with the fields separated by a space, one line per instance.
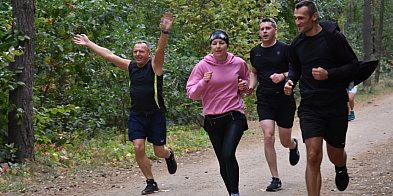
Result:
x=148 y=193
x=273 y=190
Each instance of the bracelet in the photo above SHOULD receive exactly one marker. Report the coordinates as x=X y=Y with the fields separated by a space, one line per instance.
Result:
x=165 y=32
x=284 y=75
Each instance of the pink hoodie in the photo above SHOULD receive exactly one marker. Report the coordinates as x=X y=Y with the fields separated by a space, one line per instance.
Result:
x=221 y=93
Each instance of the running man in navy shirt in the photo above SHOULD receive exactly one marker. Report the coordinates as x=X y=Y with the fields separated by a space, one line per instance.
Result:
x=147 y=115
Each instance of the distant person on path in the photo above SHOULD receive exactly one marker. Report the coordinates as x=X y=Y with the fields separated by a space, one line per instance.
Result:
x=352 y=90
x=323 y=60
x=220 y=79
x=270 y=64
x=147 y=119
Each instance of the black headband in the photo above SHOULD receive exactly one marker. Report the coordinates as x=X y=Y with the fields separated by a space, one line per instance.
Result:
x=219 y=34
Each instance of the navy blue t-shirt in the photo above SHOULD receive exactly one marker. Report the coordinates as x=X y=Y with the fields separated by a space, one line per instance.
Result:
x=145 y=89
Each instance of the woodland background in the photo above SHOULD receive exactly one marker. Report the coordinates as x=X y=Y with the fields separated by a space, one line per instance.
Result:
x=63 y=105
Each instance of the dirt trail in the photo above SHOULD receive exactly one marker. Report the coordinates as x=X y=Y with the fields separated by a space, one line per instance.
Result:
x=369 y=148
x=370 y=164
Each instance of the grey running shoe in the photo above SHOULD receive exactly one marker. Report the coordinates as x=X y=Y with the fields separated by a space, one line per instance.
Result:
x=171 y=162
x=275 y=185
x=150 y=188
x=342 y=179
x=294 y=154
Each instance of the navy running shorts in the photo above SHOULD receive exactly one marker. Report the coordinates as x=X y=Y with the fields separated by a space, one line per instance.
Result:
x=280 y=108
x=151 y=126
x=329 y=122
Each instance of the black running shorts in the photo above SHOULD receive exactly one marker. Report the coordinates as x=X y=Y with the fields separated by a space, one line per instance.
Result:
x=329 y=122
x=280 y=108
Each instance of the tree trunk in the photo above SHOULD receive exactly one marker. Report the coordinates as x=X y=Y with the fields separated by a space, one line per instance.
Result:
x=20 y=119
x=350 y=16
x=367 y=38
x=379 y=40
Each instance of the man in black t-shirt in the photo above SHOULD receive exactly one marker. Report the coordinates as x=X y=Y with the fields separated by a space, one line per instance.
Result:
x=323 y=61
x=147 y=115
x=270 y=66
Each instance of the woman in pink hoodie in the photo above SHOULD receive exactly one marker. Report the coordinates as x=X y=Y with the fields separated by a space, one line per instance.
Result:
x=219 y=80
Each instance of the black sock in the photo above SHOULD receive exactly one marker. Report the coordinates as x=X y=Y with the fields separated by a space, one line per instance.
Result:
x=170 y=155
x=150 y=181
x=343 y=168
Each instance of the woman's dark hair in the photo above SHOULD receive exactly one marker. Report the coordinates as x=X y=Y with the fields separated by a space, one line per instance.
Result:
x=219 y=34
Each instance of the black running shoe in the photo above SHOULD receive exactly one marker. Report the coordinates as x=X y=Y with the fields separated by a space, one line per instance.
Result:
x=294 y=154
x=275 y=185
x=171 y=162
x=342 y=179
x=150 y=188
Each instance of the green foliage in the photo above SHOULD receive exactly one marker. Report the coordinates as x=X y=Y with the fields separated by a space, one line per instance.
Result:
x=331 y=9
x=81 y=101
x=52 y=125
x=67 y=74
x=8 y=153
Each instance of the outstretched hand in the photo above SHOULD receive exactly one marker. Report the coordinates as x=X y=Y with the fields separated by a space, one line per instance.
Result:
x=81 y=39
x=166 y=21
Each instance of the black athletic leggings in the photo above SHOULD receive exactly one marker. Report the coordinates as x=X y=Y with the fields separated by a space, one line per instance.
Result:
x=225 y=132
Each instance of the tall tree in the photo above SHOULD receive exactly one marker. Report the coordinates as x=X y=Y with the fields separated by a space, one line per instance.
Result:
x=350 y=16
x=20 y=119
x=367 y=38
x=379 y=39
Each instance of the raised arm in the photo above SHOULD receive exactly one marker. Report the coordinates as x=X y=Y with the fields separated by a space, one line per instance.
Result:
x=83 y=40
x=158 y=59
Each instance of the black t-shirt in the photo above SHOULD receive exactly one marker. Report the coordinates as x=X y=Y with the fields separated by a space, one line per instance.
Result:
x=268 y=61
x=145 y=89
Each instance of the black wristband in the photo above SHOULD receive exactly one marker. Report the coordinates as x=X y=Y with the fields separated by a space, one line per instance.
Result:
x=165 y=32
x=284 y=75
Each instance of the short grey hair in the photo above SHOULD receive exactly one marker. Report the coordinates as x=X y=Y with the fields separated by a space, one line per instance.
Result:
x=144 y=42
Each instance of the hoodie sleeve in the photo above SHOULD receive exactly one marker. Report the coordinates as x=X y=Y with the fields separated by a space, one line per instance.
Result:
x=294 y=66
x=196 y=84
x=346 y=57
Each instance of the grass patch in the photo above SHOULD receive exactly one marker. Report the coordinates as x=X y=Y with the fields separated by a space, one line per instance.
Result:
x=79 y=156
x=365 y=94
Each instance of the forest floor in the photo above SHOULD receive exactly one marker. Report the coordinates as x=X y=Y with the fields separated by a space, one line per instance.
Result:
x=370 y=166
